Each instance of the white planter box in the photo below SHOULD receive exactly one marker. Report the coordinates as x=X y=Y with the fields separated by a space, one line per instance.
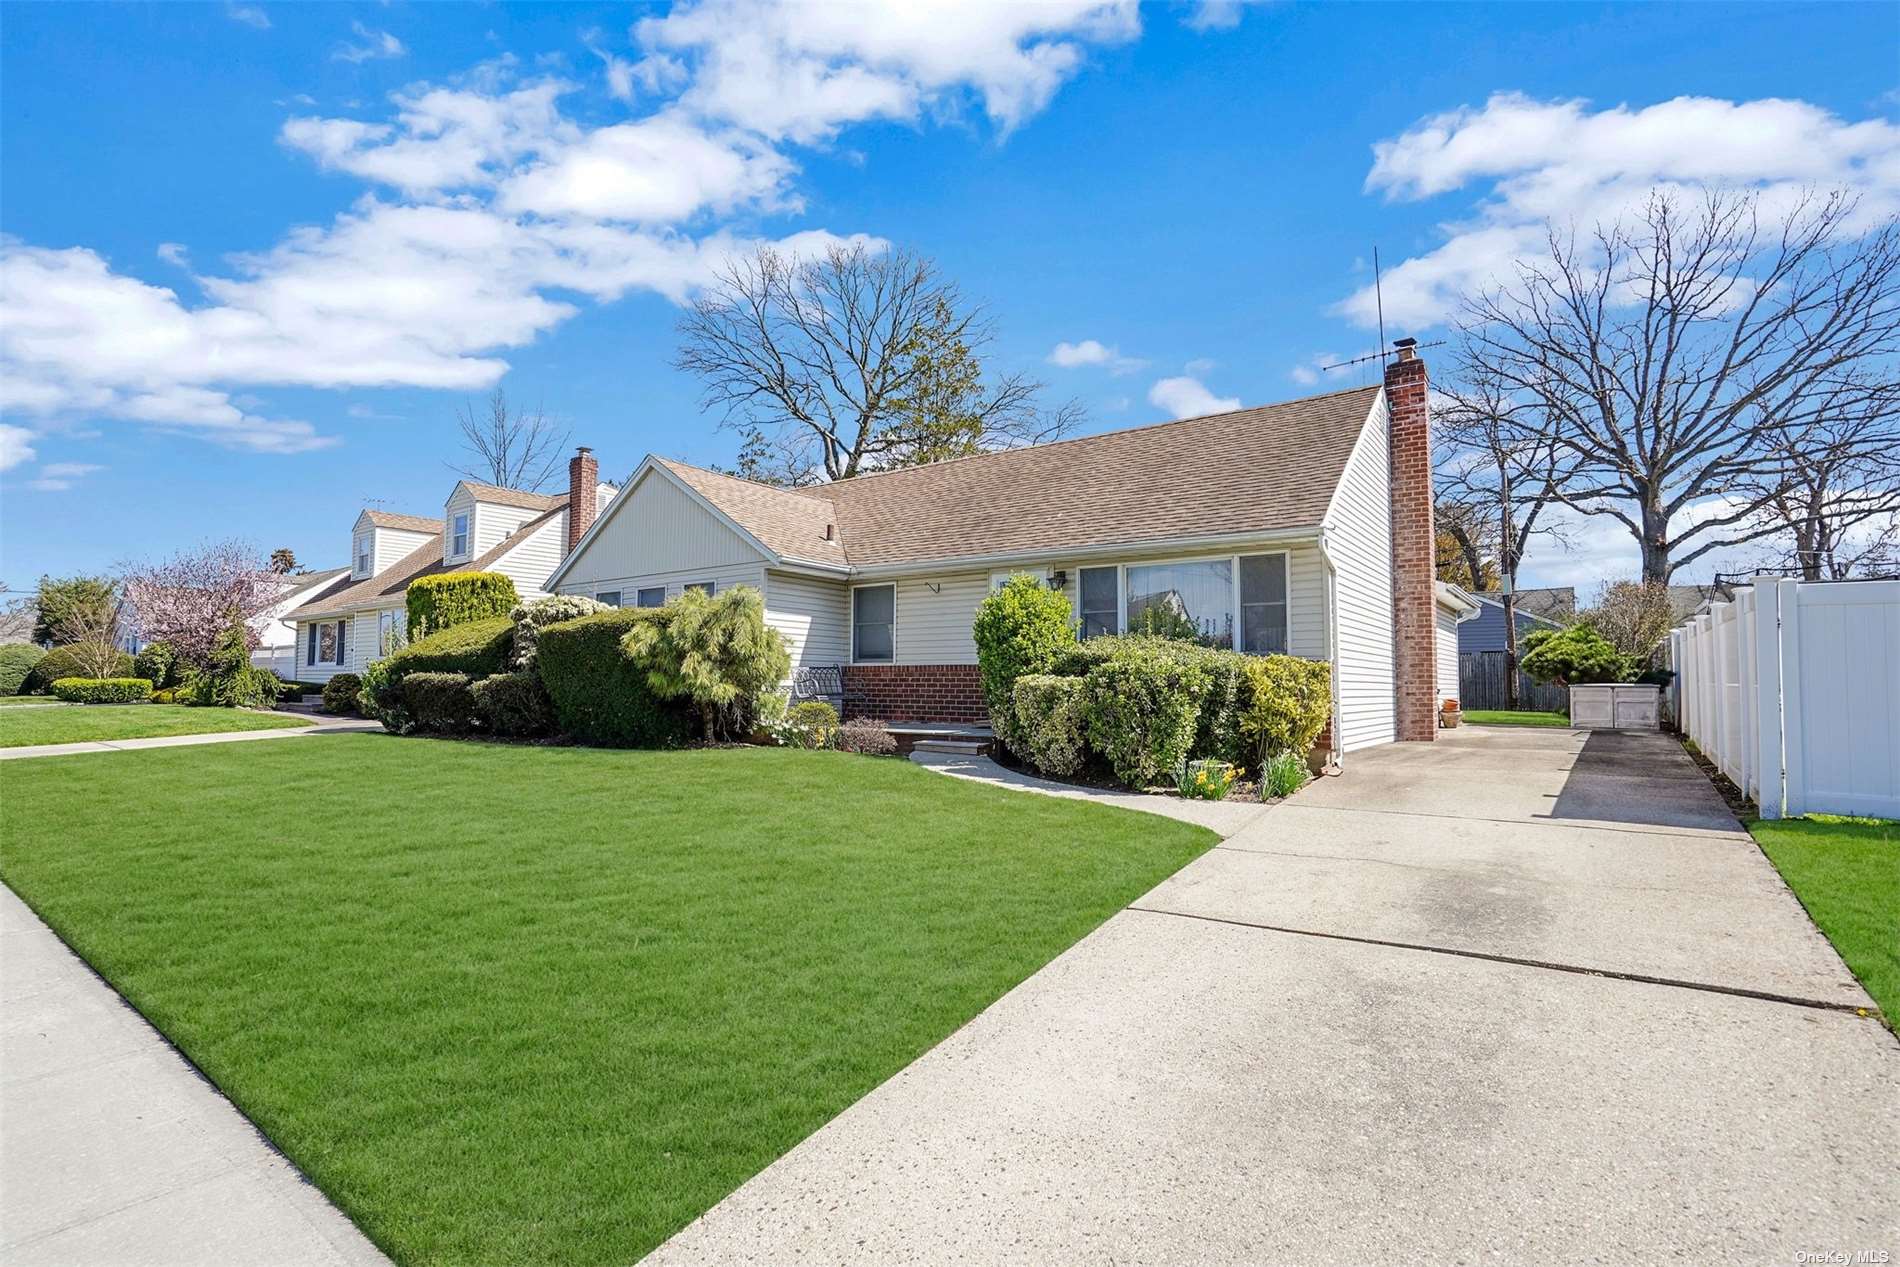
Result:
x=1615 y=707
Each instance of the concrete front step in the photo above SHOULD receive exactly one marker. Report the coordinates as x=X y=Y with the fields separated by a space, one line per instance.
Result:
x=965 y=747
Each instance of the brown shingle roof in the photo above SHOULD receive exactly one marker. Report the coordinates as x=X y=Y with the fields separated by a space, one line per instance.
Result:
x=1255 y=470
x=424 y=560
x=408 y=523
x=515 y=497
x=791 y=524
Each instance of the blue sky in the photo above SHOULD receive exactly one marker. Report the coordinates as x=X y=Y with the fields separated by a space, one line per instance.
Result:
x=256 y=255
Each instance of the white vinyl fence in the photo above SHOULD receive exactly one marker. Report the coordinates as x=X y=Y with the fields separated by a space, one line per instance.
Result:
x=1793 y=691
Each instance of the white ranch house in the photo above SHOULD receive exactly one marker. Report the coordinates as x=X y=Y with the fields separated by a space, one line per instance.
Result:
x=1303 y=527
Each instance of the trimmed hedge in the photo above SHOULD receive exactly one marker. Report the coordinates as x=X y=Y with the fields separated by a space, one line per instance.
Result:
x=339 y=694
x=1143 y=705
x=65 y=662
x=103 y=690
x=478 y=648
x=16 y=665
x=531 y=618
x=439 y=603
x=1220 y=704
x=600 y=694
x=1021 y=627
x=1290 y=702
x=513 y=704
x=441 y=703
x=1050 y=714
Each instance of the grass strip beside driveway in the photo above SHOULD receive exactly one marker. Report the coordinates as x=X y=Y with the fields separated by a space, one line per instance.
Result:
x=97 y=723
x=510 y=1004
x=1846 y=871
x=1513 y=717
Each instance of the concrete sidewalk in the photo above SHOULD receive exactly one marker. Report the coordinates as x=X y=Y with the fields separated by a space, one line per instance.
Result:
x=337 y=726
x=1510 y=997
x=116 y=1151
x=1223 y=817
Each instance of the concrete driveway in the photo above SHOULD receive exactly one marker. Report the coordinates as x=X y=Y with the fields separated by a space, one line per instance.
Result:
x=1521 y=996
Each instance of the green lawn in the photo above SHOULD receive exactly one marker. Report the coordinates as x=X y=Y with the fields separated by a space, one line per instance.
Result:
x=1846 y=872
x=76 y=724
x=1509 y=717
x=27 y=700
x=509 y=1004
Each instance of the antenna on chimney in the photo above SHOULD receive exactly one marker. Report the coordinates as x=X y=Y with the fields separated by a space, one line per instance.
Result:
x=1378 y=293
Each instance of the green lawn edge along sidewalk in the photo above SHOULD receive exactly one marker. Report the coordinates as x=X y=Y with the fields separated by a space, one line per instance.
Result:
x=96 y=723
x=514 y=1004
x=1513 y=717
x=1846 y=872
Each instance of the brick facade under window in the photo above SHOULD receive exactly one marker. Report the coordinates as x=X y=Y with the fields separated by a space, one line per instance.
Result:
x=917 y=693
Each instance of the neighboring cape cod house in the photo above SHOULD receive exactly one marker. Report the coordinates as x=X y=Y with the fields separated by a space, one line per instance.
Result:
x=1485 y=632
x=482 y=529
x=276 y=628
x=1303 y=527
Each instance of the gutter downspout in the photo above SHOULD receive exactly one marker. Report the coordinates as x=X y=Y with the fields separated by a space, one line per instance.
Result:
x=1336 y=758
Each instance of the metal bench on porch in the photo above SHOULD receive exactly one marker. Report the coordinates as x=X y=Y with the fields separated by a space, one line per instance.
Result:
x=824 y=682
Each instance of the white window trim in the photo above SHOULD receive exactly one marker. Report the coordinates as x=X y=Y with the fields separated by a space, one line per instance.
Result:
x=600 y=596
x=638 y=590
x=851 y=615
x=467 y=534
x=365 y=549
x=1121 y=585
x=711 y=588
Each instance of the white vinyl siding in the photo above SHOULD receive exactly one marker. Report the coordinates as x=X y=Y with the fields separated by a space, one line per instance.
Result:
x=934 y=615
x=492 y=524
x=1359 y=524
x=813 y=615
x=659 y=531
x=675 y=583
x=461 y=502
x=387 y=546
x=1446 y=653
x=529 y=563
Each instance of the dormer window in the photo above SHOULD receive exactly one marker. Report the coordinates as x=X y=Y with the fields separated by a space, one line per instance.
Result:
x=363 y=555
x=458 y=540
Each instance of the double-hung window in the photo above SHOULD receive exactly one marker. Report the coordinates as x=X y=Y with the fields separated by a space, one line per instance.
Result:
x=363 y=555
x=874 y=624
x=1099 y=601
x=609 y=597
x=328 y=643
x=458 y=540
x=650 y=596
x=386 y=631
x=708 y=588
x=1263 y=604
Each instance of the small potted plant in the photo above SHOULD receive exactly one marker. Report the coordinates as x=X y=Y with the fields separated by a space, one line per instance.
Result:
x=1448 y=714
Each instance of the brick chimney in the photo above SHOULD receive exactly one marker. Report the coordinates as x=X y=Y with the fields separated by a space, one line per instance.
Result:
x=583 y=490
x=1415 y=676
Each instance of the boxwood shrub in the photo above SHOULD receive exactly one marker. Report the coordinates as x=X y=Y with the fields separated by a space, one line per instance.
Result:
x=159 y=663
x=1289 y=702
x=440 y=703
x=442 y=602
x=103 y=690
x=339 y=694
x=1022 y=627
x=478 y=648
x=1050 y=717
x=1142 y=706
x=1223 y=696
x=513 y=704
x=600 y=694
x=16 y=664
x=65 y=662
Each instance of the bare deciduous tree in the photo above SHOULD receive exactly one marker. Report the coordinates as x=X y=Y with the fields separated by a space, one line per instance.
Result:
x=850 y=362
x=1834 y=497
x=511 y=447
x=1674 y=355
x=1633 y=615
x=1499 y=476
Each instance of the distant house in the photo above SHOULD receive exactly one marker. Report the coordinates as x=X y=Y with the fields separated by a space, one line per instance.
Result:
x=1556 y=603
x=482 y=529
x=276 y=635
x=1303 y=527
x=1485 y=631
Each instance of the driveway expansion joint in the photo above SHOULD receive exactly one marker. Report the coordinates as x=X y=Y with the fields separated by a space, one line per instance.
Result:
x=1706 y=987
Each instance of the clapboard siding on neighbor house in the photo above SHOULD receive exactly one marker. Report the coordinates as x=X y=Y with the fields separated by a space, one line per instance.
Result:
x=663 y=529
x=1359 y=532
x=814 y=616
x=1485 y=631
x=529 y=562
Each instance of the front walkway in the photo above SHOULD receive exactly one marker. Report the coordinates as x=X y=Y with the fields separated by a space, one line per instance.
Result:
x=116 y=1151
x=1517 y=996
x=322 y=726
x=1222 y=817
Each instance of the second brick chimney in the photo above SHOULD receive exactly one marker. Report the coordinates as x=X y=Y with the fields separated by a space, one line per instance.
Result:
x=583 y=492
x=1414 y=541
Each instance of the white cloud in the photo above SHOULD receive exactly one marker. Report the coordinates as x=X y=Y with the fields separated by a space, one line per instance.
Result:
x=1560 y=160
x=1188 y=397
x=173 y=253
x=57 y=477
x=1213 y=15
x=802 y=71
x=1093 y=353
x=1199 y=366
x=620 y=71
x=658 y=170
x=1309 y=372
x=375 y=46
x=16 y=446
x=249 y=15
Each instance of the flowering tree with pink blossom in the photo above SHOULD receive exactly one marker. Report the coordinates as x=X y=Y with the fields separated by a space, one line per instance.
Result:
x=188 y=600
